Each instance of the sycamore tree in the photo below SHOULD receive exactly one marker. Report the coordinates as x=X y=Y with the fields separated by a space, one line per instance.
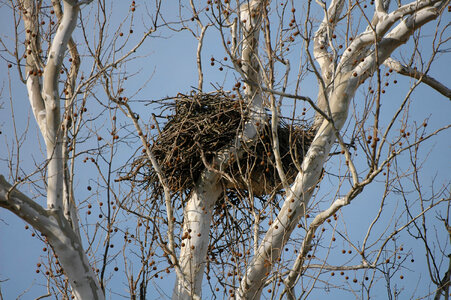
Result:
x=292 y=160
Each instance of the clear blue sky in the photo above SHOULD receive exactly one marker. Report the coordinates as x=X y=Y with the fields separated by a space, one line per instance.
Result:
x=168 y=64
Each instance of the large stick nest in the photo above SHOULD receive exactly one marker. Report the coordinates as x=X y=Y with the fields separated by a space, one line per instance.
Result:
x=203 y=124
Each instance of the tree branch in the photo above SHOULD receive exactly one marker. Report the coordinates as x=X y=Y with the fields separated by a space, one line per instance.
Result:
x=199 y=208
x=50 y=91
x=58 y=232
x=34 y=64
x=346 y=82
x=414 y=73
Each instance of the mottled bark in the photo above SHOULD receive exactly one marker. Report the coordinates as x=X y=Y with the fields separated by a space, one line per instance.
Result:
x=340 y=85
x=60 y=236
x=199 y=208
x=44 y=97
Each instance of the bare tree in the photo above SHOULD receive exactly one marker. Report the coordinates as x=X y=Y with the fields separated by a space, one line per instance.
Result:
x=242 y=191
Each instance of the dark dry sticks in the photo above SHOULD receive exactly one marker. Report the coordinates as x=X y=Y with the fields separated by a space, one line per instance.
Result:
x=200 y=126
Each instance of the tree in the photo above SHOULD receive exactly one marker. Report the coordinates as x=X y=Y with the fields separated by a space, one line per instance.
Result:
x=262 y=197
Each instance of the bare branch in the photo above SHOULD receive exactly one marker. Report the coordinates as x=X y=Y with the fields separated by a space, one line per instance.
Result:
x=414 y=73
x=60 y=236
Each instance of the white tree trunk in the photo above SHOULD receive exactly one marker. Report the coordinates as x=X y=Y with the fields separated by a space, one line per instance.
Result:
x=60 y=236
x=50 y=94
x=345 y=81
x=196 y=235
x=199 y=208
x=45 y=103
x=296 y=201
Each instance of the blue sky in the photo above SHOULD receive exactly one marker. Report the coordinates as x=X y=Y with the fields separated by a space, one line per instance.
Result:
x=165 y=65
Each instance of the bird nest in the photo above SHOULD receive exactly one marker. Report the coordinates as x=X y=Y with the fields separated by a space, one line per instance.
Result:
x=203 y=124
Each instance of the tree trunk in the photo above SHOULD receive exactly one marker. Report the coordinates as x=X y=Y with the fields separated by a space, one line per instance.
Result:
x=347 y=78
x=296 y=202
x=196 y=236
x=60 y=236
x=199 y=208
x=45 y=102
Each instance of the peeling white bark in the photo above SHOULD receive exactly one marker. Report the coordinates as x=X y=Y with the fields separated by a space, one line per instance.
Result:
x=65 y=243
x=344 y=85
x=250 y=16
x=325 y=59
x=50 y=94
x=33 y=81
x=199 y=207
x=196 y=235
x=45 y=103
x=296 y=201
